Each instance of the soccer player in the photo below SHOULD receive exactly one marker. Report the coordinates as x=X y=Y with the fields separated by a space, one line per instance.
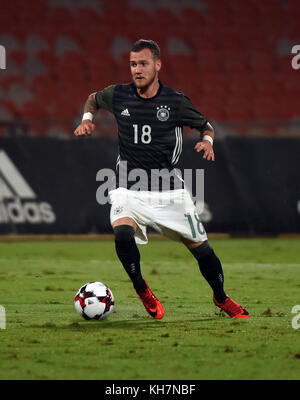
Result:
x=150 y=117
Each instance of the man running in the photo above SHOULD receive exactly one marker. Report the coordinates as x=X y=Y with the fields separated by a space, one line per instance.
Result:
x=150 y=118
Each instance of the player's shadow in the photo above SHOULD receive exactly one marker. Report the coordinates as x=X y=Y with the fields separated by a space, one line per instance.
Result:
x=132 y=324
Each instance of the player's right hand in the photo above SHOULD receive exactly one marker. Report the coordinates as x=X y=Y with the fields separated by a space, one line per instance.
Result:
x=85 y=128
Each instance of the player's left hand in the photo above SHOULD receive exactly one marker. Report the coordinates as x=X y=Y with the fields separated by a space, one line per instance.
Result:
x=206 y=146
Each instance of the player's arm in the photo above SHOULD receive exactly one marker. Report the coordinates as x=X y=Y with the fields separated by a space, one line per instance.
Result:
x=207 y=141
x=86 y=126
x=95 y=101
x=189 y=116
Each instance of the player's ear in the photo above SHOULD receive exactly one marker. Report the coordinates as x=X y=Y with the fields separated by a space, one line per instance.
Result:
x=158 y=65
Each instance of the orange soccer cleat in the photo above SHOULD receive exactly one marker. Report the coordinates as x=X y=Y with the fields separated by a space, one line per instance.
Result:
x=152 y=305
x=233 y=309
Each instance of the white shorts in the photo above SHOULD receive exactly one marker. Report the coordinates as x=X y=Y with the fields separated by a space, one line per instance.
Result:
x=171 y=213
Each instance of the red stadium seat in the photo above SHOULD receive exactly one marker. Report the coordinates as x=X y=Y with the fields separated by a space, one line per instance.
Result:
x=232 y=68
x=10 y=107
x=266 y=108
x=238 y=108
x=8 y=80
x=34 y=110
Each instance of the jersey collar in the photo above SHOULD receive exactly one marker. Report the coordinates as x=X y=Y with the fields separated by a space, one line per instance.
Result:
x=148 y=98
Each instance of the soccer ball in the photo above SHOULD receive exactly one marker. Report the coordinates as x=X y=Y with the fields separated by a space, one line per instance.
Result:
x=94 y=300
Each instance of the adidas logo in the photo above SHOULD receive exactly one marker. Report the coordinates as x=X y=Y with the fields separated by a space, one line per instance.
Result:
x=17 y=199
x=125 y=112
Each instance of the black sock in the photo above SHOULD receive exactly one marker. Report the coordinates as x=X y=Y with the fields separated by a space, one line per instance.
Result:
x=211 y=268
x=129 y=255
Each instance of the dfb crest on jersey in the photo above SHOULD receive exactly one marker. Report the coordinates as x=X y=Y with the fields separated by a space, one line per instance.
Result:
x=117 y=210
x=163 y=113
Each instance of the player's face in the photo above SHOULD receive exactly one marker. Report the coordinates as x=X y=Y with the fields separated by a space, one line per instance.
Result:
x=144 y=68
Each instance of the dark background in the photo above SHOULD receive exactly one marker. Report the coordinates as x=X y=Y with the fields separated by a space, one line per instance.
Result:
x=252 y=188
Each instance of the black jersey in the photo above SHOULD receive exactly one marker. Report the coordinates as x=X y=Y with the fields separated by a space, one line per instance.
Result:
x=150 y=131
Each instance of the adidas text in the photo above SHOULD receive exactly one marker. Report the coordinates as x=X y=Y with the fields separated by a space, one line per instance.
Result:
x=30 y=212
x=18 y=201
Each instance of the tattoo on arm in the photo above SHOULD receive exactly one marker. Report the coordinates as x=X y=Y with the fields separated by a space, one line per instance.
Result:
x=90 y=104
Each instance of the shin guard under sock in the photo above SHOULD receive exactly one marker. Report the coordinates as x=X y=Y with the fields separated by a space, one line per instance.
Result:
x=129 y=255
x=211 y=269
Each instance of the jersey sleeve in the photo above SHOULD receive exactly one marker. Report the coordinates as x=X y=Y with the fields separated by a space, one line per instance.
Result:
x=104 y=98
x=189 y=116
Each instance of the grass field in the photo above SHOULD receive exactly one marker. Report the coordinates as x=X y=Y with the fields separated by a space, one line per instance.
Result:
x=45 y=338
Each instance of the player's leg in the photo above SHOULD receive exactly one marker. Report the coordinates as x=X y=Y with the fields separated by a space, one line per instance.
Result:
x=128 y=252
x=179 y=218
x=211 y=269
x=129 y=255
x=210 y=266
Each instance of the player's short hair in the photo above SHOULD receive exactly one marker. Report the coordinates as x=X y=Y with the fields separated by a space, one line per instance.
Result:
x=142 y=44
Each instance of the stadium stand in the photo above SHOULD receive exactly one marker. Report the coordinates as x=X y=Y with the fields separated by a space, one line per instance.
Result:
x=233 y=58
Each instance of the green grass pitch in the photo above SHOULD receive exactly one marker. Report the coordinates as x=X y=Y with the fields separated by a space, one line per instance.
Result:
x=46 y=339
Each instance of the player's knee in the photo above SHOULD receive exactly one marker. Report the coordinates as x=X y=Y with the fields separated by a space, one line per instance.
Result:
x=202 y=251
x=123 y=233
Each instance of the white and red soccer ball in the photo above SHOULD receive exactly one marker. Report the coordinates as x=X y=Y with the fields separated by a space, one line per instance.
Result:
x=94 y=300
